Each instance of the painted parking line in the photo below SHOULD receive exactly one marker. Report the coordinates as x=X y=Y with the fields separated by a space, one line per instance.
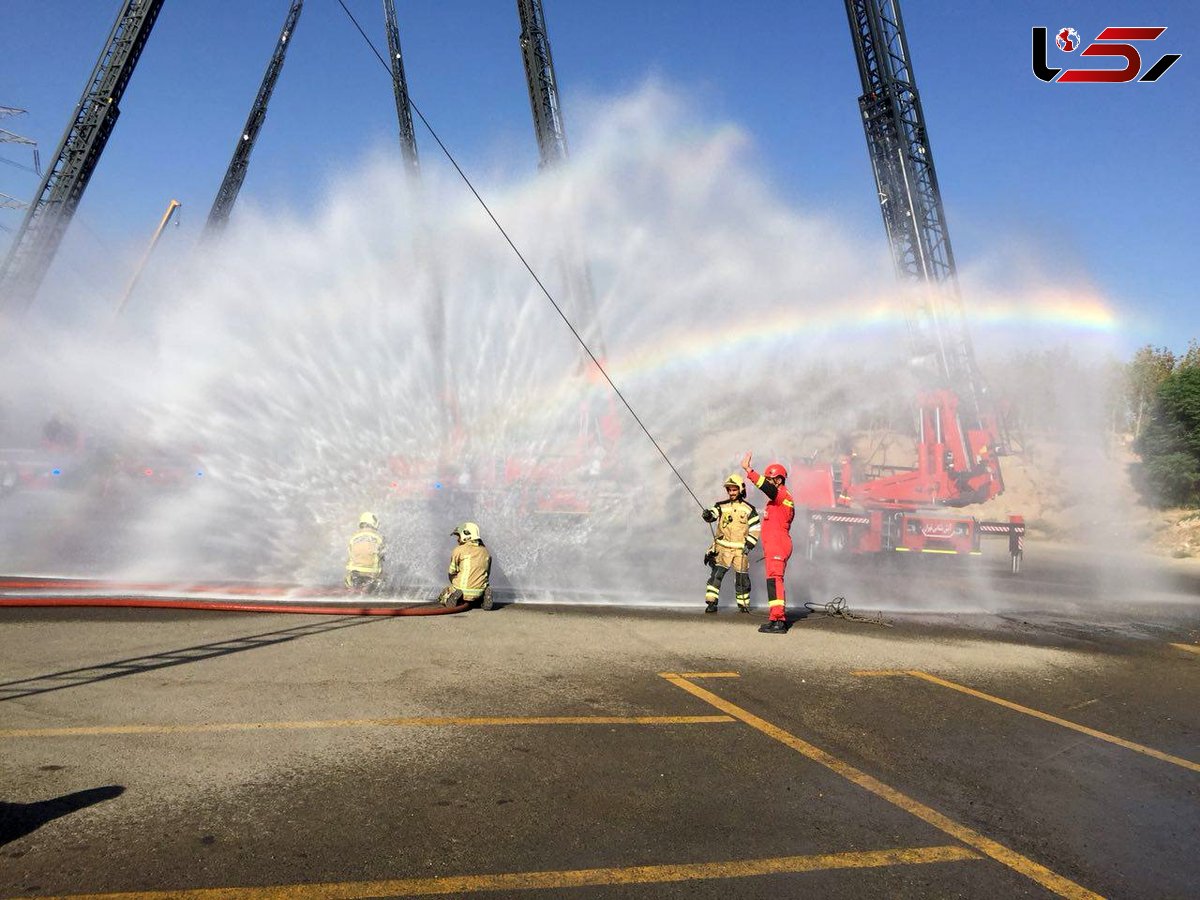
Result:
x=1190 y=648
x=574 y=878
x=411 y=722
x=1046 y=717
x=709 y=675
x=1048 y=879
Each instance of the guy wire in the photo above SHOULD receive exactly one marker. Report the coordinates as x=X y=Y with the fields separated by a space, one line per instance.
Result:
x=528 y=267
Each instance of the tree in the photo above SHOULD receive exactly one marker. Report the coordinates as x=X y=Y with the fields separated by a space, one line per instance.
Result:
x=1148 y=369
x=1190 y=358
x=1170 y=442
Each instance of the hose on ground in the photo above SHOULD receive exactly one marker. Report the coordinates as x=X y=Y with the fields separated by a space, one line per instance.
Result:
x=838 y=608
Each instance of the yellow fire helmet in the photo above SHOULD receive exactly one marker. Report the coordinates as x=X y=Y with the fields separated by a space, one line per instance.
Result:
x=368 y=520
x=467 y=532
x=737 y=481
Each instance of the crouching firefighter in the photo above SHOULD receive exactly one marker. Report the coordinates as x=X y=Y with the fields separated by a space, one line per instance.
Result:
x=776 y=538
x=735 y=537
x=364 y=568
x=470 y=568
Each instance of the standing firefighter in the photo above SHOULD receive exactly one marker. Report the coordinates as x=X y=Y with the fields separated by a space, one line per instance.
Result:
x=470 y=567
x=364 y=568
x=736 y=535
x=776 y=538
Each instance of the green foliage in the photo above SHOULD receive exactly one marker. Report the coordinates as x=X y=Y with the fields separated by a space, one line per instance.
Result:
x=1170 y=440
x=1148 y=369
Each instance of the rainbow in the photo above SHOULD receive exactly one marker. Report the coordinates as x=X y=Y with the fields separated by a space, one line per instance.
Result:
x=846 y=321
x=1052 y=310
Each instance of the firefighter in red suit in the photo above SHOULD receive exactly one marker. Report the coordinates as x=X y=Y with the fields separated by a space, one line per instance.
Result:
x=776 y=537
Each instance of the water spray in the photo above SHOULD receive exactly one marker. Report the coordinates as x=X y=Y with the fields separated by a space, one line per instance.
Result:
x=557 y=308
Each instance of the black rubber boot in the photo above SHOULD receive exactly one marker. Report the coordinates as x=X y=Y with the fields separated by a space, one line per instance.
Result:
x=486 y=602
x=775 y=626
x=743 y=607
x=710 y=607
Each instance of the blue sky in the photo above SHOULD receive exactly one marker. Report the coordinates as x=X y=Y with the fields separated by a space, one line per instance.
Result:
x=1099 y=182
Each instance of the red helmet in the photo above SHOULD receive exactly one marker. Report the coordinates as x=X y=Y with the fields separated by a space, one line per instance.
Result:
x=775 y=470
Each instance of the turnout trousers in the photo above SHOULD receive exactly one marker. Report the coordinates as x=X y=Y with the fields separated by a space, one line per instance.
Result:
x=729 y=558
x=777 y=549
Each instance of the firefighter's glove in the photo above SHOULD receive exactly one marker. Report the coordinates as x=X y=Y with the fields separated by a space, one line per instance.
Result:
x=710 y=558
x=749 y=546
x=708 y=516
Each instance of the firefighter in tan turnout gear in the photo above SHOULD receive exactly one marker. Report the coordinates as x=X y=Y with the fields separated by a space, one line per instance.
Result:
x=470 y=567
x=736 y=535
x=364 y=568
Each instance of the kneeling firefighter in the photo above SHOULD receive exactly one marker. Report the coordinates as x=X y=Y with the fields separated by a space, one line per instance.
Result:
x=470 y=568
x=736 y=535
x=364 y=568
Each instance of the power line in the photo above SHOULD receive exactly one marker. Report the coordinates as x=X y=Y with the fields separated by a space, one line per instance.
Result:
x=558 y=309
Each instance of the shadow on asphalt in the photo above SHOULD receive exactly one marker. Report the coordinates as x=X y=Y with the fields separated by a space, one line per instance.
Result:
x=20 y=819
x=68 y=678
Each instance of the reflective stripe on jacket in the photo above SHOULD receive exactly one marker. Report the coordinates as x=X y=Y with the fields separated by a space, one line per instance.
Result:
x=470 y=566
x=366 y=552
x=780 y=509
x=737 y=524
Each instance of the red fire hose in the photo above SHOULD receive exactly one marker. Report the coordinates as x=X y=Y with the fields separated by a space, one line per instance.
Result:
x=44 y=592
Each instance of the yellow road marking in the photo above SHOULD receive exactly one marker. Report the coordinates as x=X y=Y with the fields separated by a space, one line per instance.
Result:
x=1038 y=714
x=709 y=675
x=414 y=722
x=1190 y=648
x=1045 y=877
x=516 y=881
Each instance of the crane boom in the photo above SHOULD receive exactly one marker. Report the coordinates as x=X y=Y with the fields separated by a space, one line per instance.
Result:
x=408 y=138
x=552 y=148
x=78 y=152
x=543 y=87
x=236 y=173
x=909 y=199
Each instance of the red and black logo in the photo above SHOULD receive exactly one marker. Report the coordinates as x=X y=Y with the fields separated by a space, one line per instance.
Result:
x=1110 y=42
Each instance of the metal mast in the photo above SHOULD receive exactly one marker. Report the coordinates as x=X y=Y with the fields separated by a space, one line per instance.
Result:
x=78 y=152
x=137 y=273
x=552 y=147
x=543 y=88
x=408 y=139
x=909 y=199
x=236 y=173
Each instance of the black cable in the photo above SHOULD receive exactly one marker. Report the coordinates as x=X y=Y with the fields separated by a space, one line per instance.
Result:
x=525 y=263
x=838 y=608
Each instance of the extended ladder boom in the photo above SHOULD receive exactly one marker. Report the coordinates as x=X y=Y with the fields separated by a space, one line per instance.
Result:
x=408 y=139
x=552 y=148
x=236 y=173
x=78 y=152
x=543 y=88
x=908 y=194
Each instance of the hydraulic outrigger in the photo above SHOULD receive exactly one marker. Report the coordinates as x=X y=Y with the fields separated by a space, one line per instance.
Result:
x=959 y=439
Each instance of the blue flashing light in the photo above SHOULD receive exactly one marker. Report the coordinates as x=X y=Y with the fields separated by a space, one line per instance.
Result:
x=437 y=485
x=199 y=474
x=56 y=471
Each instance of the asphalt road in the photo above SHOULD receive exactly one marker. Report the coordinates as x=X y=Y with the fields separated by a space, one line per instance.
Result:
x=544 y=750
